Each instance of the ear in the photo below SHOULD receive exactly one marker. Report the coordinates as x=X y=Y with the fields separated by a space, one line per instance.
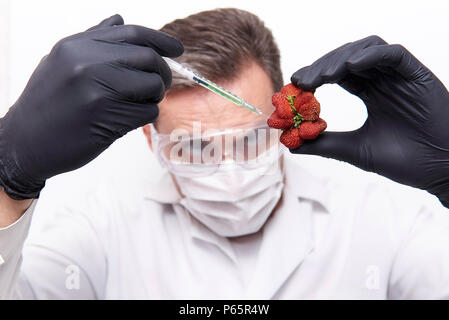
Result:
x=147 y=132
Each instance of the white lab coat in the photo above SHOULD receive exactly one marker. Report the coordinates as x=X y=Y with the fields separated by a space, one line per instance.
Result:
x=327 y=240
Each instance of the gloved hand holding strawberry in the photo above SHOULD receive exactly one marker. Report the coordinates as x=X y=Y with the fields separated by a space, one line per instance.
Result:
x=298 y=114
x=405 y=137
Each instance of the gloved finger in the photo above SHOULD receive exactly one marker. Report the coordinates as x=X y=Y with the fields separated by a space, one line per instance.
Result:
x=149 y=114
x=115 y=20
x=129 y=84
x=395 y=56
x=162 y=43
x=331 y=68
x=336 y=145
x=119 y=119
x=144 y=59
x=135 y=115
x=354 y=84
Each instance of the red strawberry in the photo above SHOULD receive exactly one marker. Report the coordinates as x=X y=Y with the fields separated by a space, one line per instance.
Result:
x=298 y=113
x=290 y=138
x=310 y=111
x=278 y=123
x=291 y=90
x=277 y=99
x=311 y=130
x=283 y=107
x=303 y=98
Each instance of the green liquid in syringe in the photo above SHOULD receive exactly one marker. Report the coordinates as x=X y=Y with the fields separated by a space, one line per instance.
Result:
x=228 y=96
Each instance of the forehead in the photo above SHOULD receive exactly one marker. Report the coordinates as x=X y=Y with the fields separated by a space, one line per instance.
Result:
x=181 y=108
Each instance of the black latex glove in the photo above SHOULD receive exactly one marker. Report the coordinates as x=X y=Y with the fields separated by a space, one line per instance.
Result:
x=91 y=89
x=406 y=135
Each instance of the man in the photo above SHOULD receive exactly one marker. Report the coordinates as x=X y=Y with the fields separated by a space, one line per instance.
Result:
x=208 y=230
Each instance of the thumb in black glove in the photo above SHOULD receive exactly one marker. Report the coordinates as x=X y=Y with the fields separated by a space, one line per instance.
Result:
x=91 y=89
x=406 y=136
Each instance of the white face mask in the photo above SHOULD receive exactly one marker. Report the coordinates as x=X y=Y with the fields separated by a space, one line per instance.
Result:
x=233 y=202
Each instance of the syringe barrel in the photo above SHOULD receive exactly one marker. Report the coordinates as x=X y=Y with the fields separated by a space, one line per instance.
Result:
x=189 y=74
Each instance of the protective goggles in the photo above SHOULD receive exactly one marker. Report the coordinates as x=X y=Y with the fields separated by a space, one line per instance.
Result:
x=201 y=153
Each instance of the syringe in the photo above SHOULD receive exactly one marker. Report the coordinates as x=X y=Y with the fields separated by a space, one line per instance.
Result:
x=209 y=85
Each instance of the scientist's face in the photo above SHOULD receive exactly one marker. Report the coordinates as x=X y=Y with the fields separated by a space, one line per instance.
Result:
x=180 y=109
x=233 y=200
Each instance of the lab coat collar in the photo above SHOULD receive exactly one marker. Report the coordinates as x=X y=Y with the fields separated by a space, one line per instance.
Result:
x=164 y=191
x=306 y=185
x=199 y=231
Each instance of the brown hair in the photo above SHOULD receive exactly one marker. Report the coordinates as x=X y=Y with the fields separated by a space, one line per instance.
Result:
x=217 y=43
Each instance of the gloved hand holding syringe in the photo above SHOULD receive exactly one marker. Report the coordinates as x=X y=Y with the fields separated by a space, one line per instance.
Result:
x=209 y=85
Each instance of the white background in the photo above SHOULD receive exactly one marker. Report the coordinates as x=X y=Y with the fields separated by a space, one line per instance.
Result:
x=305 y=30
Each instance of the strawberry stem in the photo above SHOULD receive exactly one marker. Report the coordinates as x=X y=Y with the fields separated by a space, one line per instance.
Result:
x=291 y=100
x=298 y=118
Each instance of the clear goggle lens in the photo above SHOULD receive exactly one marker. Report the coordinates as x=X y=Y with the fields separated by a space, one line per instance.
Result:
x=202 y=153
